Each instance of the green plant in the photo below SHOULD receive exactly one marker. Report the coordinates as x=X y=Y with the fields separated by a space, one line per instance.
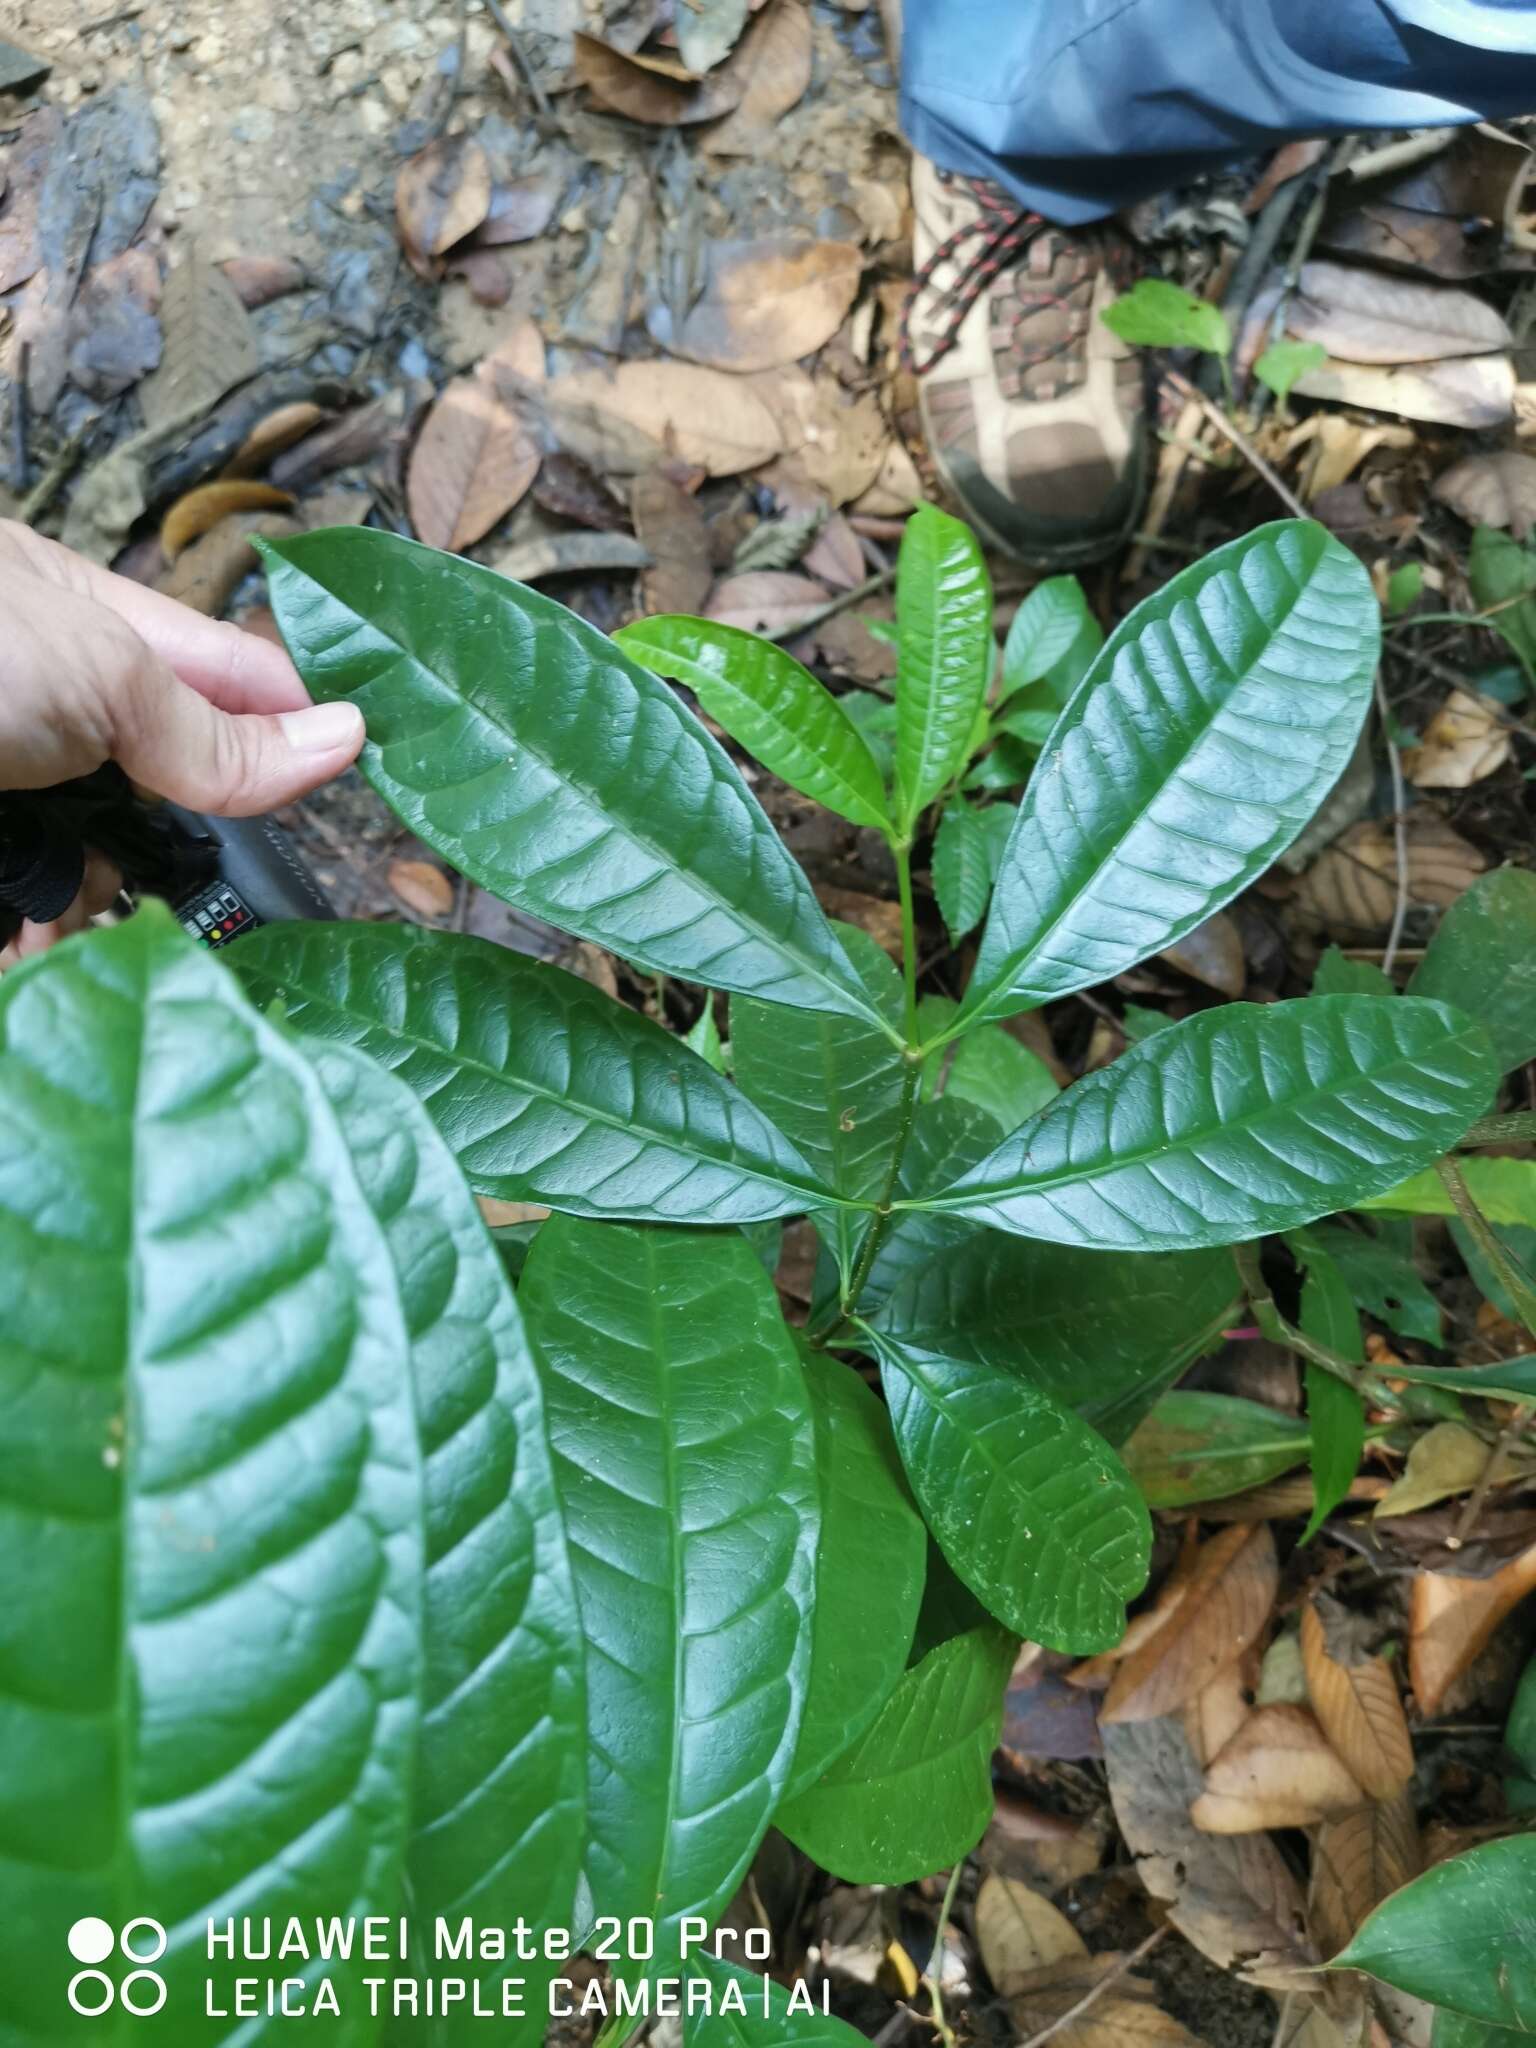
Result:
x=362 y=1580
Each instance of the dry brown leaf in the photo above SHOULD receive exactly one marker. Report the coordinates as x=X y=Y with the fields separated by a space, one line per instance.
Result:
x=774 y=57
x=896 y=489
x=517 y=212
x=669 y=524
x=473 y=460
x=1358 y=1707
x=1462 y=744
x=1462 y=391
x=196 y=511
x=766 y=600
x=569 y=489
x=1288 y=161
x=421 y=887
x=1226 y=1603
x=1349 y=891
x=1281 y=1498
x=656 y=91
x=1358 y=1859
x=270 y=436
x=1123 y=2011
x=1334 y=444
x=764 y=302
x=1370 y=316
x=337 y=507
x=442 y=194
x=836 y=442
x=258 y=280
x=1231 y=1895
x=834 y=557
x=210 y=344
x=1219 y=1709
x=1278 y=1771
x=872 y=914
x=1212 y=953
x=1095 y=1673
x=1494 y=489
x=497 y=1214
x=1445 y=1460
x=484 y=272
x=704 y=418
x=570 y=554
x=1019 y=1932
x=356 y=437
x=205 y=574
x=1451 y=1621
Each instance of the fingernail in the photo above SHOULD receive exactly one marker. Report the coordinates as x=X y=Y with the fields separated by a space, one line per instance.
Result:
x=322 y=728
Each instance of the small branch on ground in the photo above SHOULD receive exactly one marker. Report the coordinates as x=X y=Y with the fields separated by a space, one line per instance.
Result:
x=1123 y=1968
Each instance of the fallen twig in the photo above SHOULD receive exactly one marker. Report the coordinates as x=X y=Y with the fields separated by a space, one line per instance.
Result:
x=1123 y=1968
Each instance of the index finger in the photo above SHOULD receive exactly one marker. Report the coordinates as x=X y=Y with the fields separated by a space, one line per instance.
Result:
x=235 y=670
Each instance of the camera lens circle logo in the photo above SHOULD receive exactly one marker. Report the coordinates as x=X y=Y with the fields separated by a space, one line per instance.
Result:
x=91 y=1990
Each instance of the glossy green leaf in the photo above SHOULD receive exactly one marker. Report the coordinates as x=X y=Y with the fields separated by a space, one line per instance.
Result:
x=1405 y=586
x=1196 y=1446
x=1382 y=1280
x=500 y=1788
x=1032 y=1509
x=703 y=1037
x=1338 y=975
x=1502 y=571
x=1284 y=363
x=772 y=704
x=1459 y=1935
x=948 y=1135
x=748 y=2010
x=1104 y=1332
x=1335 y=1417
x=545 y=1089
x=1520 y=1745
x=1238 y=1121
x=914 y=1793
x=1207 y=732
x=1504 y=1189
x=869 y=1567
x=944 y=656
x=966 y=850
x=211 y=1514
x=1157 y=314
x=1512 y=1379
x=1455 y=2030
x=524 y=747
x=1051 y=640
x=1000 y=1076
x=686 y=1465
x=1483 y=958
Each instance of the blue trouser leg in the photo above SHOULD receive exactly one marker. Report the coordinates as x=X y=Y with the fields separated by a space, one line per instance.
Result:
x=1080 y=106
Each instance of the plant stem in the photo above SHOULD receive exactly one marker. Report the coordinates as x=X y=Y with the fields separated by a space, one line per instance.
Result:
x=935 y=1975
x=1513 y=1127
x=1516 y=1281
x=822 y=612
x=1275 y=1327
x=880 y=1223
x=1090 y=1997
x=903 y=852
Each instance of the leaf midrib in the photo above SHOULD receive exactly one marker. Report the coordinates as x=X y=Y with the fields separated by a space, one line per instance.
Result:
x=802 y=962
x=963 y=1196
x=823 y=1197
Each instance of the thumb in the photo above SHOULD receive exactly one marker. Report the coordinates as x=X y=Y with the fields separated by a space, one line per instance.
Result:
x=234 y=765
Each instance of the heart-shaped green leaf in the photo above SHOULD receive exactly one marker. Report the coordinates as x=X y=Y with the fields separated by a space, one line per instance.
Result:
x=1459 y=1935
x=500 y=1788
x=686 y=1464
x=1051 y=641
x=1208 y=730
x=945 y=654
x=211 y=1511
x=1104 y=1332
x=914 y=1793
x=544 y=1088
x=524 y=747
x=869 y=1567
x=772 y=704
x=1033 y=1510
x=966 y=851
x=1235 y=1122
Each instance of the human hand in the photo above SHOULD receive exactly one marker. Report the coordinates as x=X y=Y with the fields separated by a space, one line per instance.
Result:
x=96 y=668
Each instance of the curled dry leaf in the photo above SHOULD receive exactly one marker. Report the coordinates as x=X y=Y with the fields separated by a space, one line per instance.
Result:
x=764 y=302
x=473 y=460
x=1019 y=1932
x=195 y=512
x=835 y=442
x=206 y=573
x=1278 y=1771
x=1462 y=744
x=1225 y=1604
x=1445 y=1460
x=766 y=600
x=1462 y=391
x=1350 y=890
x=1335 y=446
x=1358 y=1708
x=1370 y=316
x=517 y=212
x=421 y=887
x=653 y=90
x=1451 y=1622
x=442 y=194
x=625 y=421
x=774 y=56
x=1219 y=1709
x=1494 y=489
x=897 y=488
x=669 y=524
x=1231 y=1895
x=258 y=280
x=356 y=437
x=270 y=436
x=1358 y=1859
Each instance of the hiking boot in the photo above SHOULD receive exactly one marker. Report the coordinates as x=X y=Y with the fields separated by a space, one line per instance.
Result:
x=1035 y=413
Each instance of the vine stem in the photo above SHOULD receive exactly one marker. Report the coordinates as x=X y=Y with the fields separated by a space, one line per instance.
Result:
x=935 y=1977
x=1510 y=1127
x=1275 y=1327
x=1517 y=1282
